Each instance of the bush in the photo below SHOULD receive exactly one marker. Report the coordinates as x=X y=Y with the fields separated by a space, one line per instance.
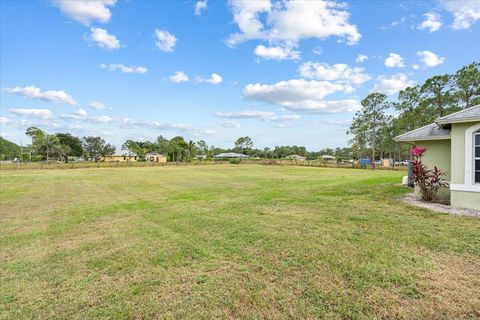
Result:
x=235 y=161
x=429 y=181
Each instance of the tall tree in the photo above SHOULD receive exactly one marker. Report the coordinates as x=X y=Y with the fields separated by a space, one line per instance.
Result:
x=244 y=143
x=438 y=95
x=372 y=117
x=467 y=83
x=42 y=142
x=74 y=143
x=96 y=147
x=202 y=147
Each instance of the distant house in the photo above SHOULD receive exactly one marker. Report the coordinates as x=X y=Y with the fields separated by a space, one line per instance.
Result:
x=296 y=157
x=453 y=145
x=119 y=158
x=327 y=157
x=231 y=155
x=155 y=157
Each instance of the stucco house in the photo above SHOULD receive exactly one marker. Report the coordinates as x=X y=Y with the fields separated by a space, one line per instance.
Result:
x=296 y=157
x=155 y=157
x=119 y=158
x=453 y=145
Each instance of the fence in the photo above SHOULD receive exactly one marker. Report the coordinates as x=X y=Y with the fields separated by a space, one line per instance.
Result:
x=134 y=164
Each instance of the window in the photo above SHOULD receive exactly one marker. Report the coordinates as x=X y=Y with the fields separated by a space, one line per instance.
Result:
x=476 y=156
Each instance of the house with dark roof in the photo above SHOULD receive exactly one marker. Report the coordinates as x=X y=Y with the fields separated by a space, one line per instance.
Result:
x=296 y=157
x=230 y=155
x=453 y=145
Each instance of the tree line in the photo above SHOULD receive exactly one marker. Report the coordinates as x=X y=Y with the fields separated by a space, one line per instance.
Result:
x=372 y=129
x=65 y=146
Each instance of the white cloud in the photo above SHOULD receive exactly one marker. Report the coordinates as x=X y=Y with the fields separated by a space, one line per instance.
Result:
x=415 y=66
x=339 y=123
x=317 y=50
x=33 y=92
x=276 y=53
x=101 y=119
x=361 y=58
x=230 y=124
x=320 y=106
x=123 y=68
x=254 y=114
x=178 y=77
x=337 y=72
x=293 y=91
x=302 y=95
x=432 y=22
x=200 y=6
x=430 y=59
x=4 y=120
x=131 y=123
x=394 y=60
x=465 y=12
x=103 y=39
x=97 y=105
x=81 y=113
x=246 y=114
x=291 y=21
x=165 y=41
x=395 y=23
x=34 y=113
x=393 y=84
x=214 y=79
x=86 y=11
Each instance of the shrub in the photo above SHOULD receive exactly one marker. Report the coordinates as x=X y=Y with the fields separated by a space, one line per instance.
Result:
x=235 y=161
x=429 y=181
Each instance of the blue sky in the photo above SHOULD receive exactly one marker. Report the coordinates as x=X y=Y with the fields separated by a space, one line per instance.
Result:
x=281 y=72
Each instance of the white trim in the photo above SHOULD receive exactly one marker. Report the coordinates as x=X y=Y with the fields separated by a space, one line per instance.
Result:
x=446 y=119
x=462 y=187
x=470 y=119
x=468 y=179
x=427 y=138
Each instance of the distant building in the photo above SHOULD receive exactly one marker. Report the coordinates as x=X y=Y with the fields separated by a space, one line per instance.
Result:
x=328 y=157
x=155 y=157
x=296 y=157
x=119 y=158
x=231 y=155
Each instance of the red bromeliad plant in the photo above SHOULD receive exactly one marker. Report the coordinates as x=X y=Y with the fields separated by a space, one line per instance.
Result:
x=429 y=181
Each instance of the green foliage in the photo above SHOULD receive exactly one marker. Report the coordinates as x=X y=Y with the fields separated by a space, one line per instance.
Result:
x=95 y=147
x=243 y=144
x=8 y=149
x=235 y=161
x=418 y=106
x=74 y=143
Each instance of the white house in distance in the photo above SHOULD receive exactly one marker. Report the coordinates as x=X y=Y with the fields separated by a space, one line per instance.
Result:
x=155 y=157
x=296 y=157
x=453 y=145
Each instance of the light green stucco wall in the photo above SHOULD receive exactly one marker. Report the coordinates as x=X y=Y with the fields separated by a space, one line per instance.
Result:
x=437 y=154
x=457 y=135
x=461 y=199
x=465 y=199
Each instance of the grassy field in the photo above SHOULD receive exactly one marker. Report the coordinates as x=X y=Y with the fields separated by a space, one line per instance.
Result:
x=224 y=241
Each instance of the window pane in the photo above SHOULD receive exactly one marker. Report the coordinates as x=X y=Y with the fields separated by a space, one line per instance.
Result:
x=477 y=139
x=477 y=152
x=477 y=176
x=477 y=164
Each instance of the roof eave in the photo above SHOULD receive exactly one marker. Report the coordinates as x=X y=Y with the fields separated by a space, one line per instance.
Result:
x=463 y=120
x=424 y=138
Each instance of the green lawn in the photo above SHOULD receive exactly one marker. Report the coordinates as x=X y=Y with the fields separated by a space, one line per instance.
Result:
x=243 y=241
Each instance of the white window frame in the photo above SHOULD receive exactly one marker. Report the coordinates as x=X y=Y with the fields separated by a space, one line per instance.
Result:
x=469 y=178
x=476 y=133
